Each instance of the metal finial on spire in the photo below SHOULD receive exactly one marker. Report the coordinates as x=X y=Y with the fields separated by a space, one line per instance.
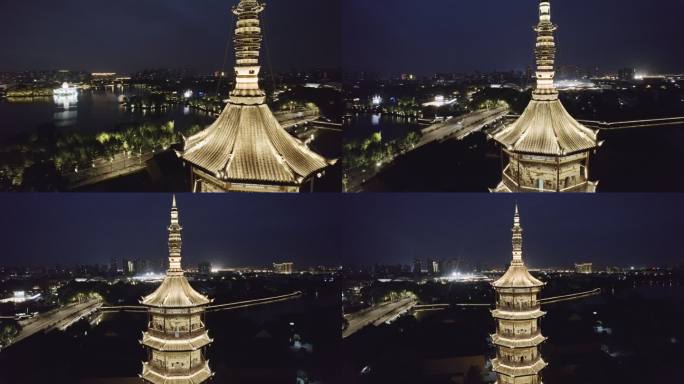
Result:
x=174 y=201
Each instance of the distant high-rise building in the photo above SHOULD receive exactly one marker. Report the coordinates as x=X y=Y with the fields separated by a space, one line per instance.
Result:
x=176 y=337
x=129 y=267
x=246 y=149
x=626 y=74
x=417 y=266
x=517 y=315
x=285 y=268
x=585 y=268
x=204 y=268
x=434 y=267
x=113 y=266
x=547 y=149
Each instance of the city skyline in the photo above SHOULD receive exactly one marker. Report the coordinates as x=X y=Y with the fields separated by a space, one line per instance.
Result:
x=225 y=232
x=444 y=36
x=127 y=36
x=559 y=231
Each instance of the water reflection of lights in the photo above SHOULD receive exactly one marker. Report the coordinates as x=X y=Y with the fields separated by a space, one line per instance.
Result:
x=66 y=101
x=375 y=119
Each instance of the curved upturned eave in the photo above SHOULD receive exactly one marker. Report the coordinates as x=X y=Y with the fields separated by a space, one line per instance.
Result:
x=517 y=277
x=546 y=128
x=248 y=144
x=175 y=292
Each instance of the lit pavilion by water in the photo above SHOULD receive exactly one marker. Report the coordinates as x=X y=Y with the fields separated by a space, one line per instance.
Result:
x=517 y=316
x=548 y=150
x=176 y=337
x=246 y=149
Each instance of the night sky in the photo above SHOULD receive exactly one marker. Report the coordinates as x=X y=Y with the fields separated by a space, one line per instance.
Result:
x=559 y=230
x=227 y=230
x=429 y=36
x=129 y=35
x=253 y=230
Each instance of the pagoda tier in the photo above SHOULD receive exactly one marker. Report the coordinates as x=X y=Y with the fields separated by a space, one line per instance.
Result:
x=548 y=150
x=176 y=336
x=246 y=149
x=518 y=334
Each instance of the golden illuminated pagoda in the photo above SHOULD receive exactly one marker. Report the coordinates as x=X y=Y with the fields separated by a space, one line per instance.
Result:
x=176 y=337
x=548 y=150
x=246 y=149
x=517 y=316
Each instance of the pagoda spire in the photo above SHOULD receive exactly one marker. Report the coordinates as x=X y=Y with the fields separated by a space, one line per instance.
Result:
x=247 y=42
x=545 y=53
x=517 y=238
x=175 y=241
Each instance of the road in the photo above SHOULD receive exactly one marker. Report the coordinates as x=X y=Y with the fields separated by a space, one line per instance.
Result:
x=60 y=318
x=376 y=315
x=455 y=128
x=462 y=126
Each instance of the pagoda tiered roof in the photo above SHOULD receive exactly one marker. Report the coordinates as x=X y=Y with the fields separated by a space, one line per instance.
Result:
x=517 y=371
x=517 y=276
x=175 y=292
x=518 y=343
x=546 y=128
x=176 y=344
x=247 y=143
x=517 y=315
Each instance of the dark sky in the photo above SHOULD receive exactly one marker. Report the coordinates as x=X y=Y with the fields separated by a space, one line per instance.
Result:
x=428 y=36
x=234 y=230
x=608 y=229
x=129 y=35
x=228 y=230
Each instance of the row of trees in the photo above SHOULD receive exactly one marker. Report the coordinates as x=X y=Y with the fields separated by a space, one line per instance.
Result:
x=373 y=151
x=39 y=161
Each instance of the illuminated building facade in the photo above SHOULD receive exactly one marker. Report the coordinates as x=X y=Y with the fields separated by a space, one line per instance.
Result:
x=246 y=149
x=585 y=268
x=176 y=337
x=286 y=268
x=517 y=316
x=547 y=149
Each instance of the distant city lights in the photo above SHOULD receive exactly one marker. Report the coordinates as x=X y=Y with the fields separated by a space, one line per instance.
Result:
x=457 y=276
x=377 y=100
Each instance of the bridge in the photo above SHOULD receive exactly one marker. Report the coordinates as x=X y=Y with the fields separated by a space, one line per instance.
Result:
x=544 y=301
x=377 y=315
x=606 y=125
x=60 y=319
x=63 y=318
x=633 y=123
x=387 y=312
x=460 y=127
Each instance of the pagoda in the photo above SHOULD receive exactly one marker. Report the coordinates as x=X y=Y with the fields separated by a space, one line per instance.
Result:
x=246 y=149
x=176 y=337
x=547 y=149
x=517 y=315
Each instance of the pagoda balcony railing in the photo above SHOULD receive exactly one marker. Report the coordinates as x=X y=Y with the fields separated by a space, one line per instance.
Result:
x=513 y=362
x=172 y=333
x=518 y=307
x=167 y=369
x=518 y=336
